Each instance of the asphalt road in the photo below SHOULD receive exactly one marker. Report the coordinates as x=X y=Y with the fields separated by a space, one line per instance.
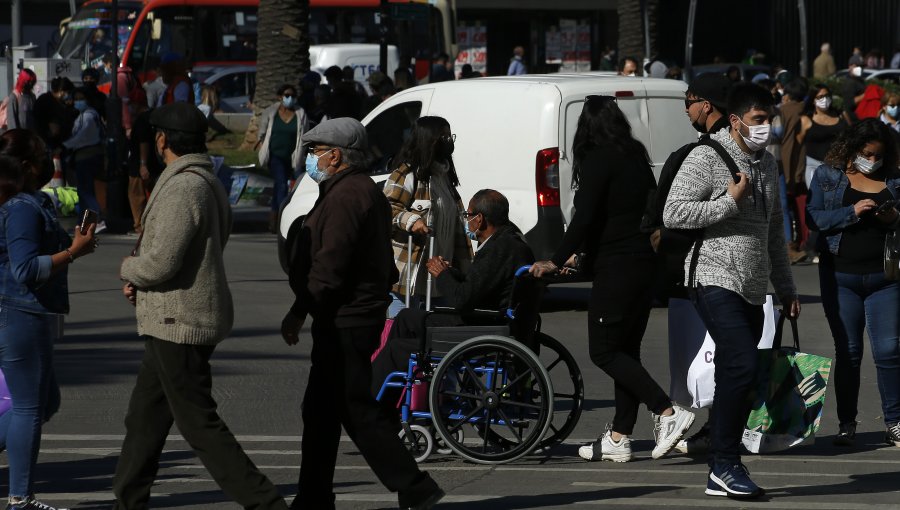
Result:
x=259 y=382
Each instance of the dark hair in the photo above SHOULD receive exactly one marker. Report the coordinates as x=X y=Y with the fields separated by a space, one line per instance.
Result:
x=602 y=123
x=385 y=88
x=334 y=73
x=61 y=83
x=797 y=88
x=625 y=60
x=23 y=146
x=732 y=69
x=853 y=138
x=744 y=97
x=810 y=107
x=90 y=71
x=348 y=73
x=182 y=142
x=10 y=177
x=492 y=205
x=284 y=88
x=418 y=150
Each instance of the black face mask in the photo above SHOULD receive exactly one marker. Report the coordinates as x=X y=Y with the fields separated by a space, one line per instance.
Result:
x=444 y=149
x=698 y=126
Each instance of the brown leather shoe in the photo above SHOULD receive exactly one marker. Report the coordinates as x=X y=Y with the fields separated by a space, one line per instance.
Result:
x=795 y=256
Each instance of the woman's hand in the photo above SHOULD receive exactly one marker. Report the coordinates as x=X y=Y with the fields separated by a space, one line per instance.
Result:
x=542 y=267
x=130 y=292
x=419 y=227
x=863 y=206
x=84 y=244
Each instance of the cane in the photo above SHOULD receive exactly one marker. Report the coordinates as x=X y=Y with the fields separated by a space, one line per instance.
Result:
x=430 y=253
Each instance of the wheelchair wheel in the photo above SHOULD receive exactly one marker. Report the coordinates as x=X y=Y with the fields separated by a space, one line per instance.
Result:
x=568 y=389
x=498 y=387
x=419 y=443
x=440 y=447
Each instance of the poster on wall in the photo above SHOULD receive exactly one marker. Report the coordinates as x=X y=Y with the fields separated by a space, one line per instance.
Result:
x=568 y=29
x=583 y=47
x=554 y=49
x=472 y=42
x=464 y=42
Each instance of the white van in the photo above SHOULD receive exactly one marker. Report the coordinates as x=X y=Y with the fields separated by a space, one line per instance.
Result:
x=515 y=134
x=363 y=58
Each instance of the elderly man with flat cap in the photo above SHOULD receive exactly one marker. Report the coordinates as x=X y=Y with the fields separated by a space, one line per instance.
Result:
x=342 y=275
x=176 y=279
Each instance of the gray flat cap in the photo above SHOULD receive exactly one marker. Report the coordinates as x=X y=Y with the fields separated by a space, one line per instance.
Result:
x=344 y=132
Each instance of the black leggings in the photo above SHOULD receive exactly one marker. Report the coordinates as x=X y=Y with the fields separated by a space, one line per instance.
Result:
x=617 y=318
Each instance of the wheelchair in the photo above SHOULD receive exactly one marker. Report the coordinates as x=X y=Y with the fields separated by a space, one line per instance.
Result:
x=490 y=393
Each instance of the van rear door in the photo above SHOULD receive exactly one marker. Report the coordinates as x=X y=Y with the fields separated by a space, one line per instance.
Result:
x=669 y=126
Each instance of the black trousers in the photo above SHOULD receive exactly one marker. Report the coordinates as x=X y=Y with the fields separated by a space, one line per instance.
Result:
x=339 y=393
x=617 y=318
x=174 y=384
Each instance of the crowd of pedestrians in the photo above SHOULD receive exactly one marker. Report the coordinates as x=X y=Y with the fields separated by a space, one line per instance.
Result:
x=829 y=193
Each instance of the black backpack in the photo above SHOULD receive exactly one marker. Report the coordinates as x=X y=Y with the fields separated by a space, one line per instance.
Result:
x=675 y=244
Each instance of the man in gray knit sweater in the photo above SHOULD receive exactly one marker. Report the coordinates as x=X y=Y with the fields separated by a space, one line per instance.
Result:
x=742 y=248
x=177 y=281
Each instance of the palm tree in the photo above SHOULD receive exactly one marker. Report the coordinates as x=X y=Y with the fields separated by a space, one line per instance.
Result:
x=631 y=28
x=282 y=53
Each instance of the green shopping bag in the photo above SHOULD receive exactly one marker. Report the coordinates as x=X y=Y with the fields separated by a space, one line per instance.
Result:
x=790 y=396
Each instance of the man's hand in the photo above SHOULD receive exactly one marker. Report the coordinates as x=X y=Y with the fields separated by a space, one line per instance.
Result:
x=419 y=227
x=791 y=306
x=130 y=292
x=145 y=172
x=542 y=267
x=436 y=266
x=863 y=206
x=739 y=190
x=290 y=328
x=655 y=237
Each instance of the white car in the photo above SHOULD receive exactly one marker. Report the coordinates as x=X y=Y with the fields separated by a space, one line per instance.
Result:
x=235 y=85
x=514 y=134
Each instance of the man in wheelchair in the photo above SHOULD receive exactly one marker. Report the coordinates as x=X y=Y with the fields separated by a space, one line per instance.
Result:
x=486 y=287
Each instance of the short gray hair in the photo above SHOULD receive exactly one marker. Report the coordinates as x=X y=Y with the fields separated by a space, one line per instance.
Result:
x=355 y=158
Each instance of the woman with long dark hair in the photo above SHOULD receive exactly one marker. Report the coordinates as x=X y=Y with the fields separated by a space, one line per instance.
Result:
x=853 y=204
x=612 y=176
x=423 y=196
x=35 y=253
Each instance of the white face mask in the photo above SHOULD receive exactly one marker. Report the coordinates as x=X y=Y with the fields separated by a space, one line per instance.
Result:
x=823 y=103
x=857 y=71
x=758 y=138
x=865 y=166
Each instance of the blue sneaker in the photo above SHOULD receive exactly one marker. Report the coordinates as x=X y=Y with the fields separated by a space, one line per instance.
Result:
x=732 y=481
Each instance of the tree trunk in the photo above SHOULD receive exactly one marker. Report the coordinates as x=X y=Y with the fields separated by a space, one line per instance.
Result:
x=282 y=54
x=631 y=29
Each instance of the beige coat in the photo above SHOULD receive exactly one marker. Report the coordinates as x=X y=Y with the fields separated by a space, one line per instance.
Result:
x=183 y=294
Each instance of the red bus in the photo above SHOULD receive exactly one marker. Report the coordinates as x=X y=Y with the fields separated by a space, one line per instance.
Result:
x=223 y=32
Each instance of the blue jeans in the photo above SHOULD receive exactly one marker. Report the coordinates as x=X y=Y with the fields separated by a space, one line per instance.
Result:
x=735 y=326
x=25 y=357
x=84 y=173
x=854 y=303
x=281 y=171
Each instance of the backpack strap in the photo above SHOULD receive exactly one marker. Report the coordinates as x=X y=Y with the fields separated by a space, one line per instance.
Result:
x=732 y=166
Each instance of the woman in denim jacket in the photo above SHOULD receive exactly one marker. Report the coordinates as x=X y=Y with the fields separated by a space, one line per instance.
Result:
x=35 y=253
x=852 y=205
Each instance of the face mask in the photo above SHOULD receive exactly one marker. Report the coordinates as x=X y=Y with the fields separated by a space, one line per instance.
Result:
x=865 y=166
x=823 y=103
x=288 y=102
x=80 y=105
x=312 y=168
x=470 y=234
x=857 y=71
x=892 y=111
x=445 y=149
x=759 y=136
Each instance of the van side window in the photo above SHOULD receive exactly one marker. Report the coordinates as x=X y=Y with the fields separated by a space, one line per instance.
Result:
x=388 y=131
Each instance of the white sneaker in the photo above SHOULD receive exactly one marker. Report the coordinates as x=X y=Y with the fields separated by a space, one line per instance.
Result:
x=605 y=448
x=101 y=226
x=669 y=429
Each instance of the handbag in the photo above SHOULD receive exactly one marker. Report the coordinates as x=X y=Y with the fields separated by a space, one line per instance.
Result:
x=892 y=256
x=790 y=396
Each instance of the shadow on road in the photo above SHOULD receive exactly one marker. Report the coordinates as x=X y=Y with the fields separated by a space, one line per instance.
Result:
x=558 y=499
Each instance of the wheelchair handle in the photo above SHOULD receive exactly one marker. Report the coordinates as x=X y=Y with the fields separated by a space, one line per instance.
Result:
x=522 y=270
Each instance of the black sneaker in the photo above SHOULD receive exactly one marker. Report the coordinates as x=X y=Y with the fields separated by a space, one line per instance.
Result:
x=846 y=435
x=733 y=481
x=31 y=504
x=892 y=436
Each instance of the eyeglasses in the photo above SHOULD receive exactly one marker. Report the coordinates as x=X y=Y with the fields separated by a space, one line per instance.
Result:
x=466 y=215
x=321 y=149
x=449 y=138
x=690 y=102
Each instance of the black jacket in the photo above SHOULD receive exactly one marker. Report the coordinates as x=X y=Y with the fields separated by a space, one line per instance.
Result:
x=488 y=284
x=344 y=268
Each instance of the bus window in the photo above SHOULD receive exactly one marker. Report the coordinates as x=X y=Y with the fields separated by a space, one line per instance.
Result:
x=237 y=36
x=173 y=30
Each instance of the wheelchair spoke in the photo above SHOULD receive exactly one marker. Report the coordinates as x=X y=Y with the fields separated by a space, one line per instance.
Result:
x=494 y=374
x=515 y=381
x=473 y=375
x=463 y=421
x=564 y=395
x=508 y=422
x=460 y=395
x=487 y=431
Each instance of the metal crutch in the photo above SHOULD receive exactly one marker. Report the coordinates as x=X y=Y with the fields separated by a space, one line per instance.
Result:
x=430 y=253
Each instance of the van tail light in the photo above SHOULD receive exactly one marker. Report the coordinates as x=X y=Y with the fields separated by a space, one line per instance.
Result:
x=624 y=93
x=547 y=177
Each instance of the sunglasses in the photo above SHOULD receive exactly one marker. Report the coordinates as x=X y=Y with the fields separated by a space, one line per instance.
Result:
x=690 y=102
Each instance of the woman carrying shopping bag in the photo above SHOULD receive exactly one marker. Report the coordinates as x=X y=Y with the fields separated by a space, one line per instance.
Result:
x=853 y=199
x=424 y=201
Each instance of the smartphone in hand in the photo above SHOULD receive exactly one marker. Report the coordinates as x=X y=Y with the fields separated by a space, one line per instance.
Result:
x=90 y=217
